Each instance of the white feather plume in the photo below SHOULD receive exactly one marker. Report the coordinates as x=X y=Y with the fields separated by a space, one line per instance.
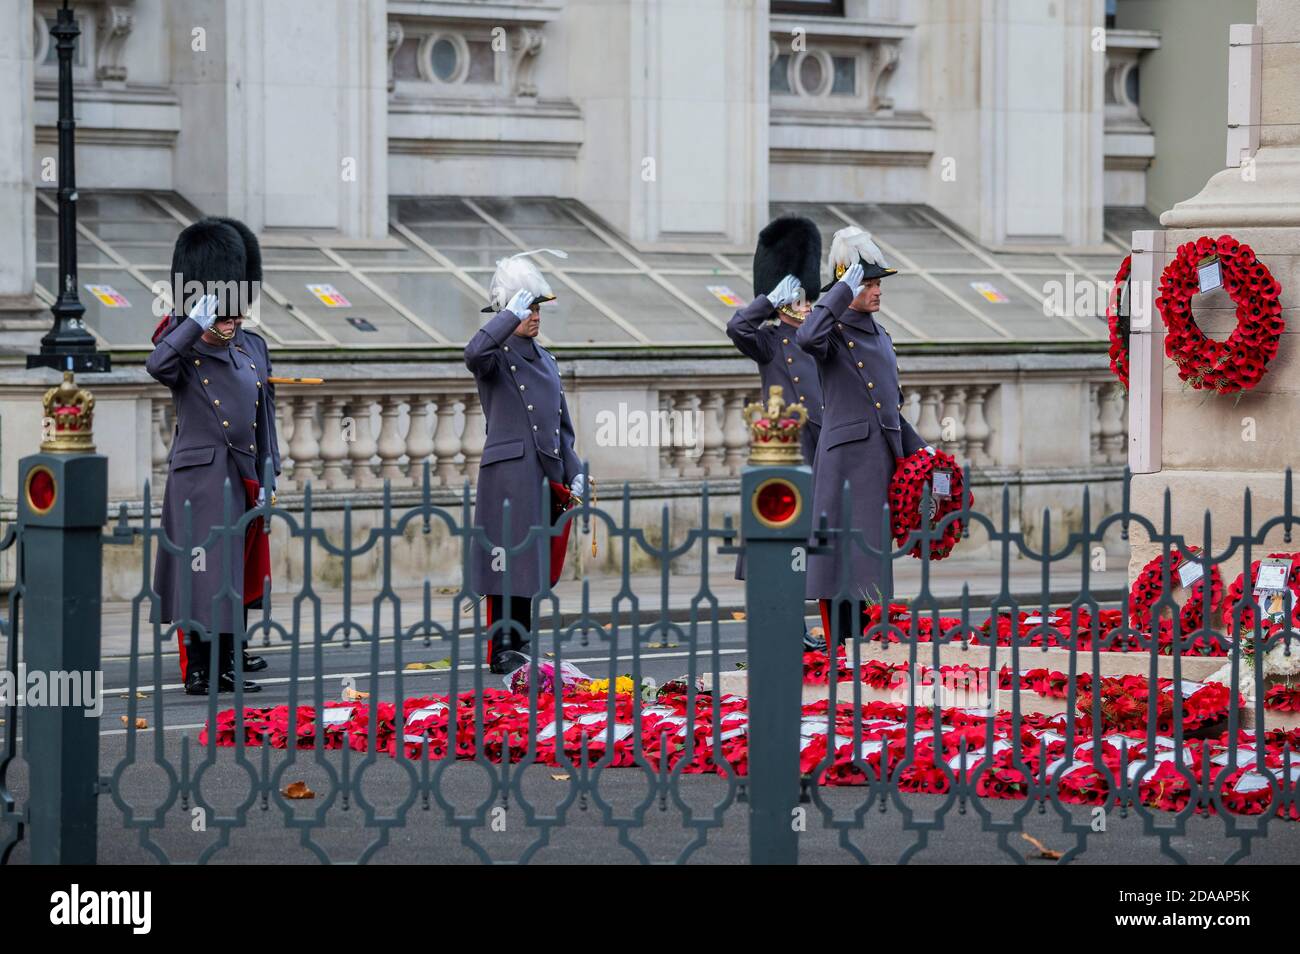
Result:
x=518 y=272
x=851 y=242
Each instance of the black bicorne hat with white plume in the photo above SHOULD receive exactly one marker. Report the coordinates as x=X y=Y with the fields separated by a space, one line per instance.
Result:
x=853 y=244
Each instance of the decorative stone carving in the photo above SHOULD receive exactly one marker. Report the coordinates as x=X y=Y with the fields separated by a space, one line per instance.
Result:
x=526 y=43
x=884 y=59
x=115 y=23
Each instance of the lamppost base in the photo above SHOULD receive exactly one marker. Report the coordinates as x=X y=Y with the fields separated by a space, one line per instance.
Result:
x=90 y=362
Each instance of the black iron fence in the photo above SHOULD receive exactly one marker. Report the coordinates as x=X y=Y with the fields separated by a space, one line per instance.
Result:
x=645 y=731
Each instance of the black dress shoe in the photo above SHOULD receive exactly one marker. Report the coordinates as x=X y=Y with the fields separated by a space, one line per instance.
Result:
x=196 y=683
x=226 y=683
x=253 y=663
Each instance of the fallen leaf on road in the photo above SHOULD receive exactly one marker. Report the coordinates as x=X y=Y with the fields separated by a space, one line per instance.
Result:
x=140 y=723
x=737 y=614
x=138 y=695
x=1043 y=851
x=661 y=645
x=741 y=665
x=354 y=695
x=549 y=655
x=444 y=663
x=560 y=777
x=298 y=790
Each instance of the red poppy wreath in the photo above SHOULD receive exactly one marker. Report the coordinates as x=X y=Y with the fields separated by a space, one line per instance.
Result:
x=1238 y=363
x=1146 y=590
x=1118 y=327
x=905 y=490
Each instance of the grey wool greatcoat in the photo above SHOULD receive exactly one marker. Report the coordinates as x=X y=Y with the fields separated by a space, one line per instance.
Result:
x=863 y=434
x=225 y=429
x=781 y=362
x=529 y=439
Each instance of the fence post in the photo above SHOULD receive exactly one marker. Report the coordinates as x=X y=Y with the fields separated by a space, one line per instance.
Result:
x=776 y=519
x=62 y=503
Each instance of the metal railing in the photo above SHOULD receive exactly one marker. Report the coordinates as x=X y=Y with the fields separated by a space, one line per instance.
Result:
x=918 y=726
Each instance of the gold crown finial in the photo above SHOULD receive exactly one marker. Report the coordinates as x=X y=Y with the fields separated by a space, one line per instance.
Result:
x=67 y=426
x=774 y=429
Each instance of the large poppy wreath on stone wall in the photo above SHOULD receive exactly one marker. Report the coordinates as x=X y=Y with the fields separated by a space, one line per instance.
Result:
x=1238 y=363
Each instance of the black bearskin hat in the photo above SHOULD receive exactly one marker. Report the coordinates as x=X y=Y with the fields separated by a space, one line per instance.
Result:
x=222 y=256
x=789 y=245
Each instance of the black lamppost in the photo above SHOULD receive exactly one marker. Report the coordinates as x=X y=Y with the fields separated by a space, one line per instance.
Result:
x=68 y=346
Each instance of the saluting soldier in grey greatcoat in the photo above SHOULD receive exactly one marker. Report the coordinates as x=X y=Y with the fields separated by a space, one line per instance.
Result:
x=863 y=431
x=225 y=431
x=787 y=278
x=530 y=444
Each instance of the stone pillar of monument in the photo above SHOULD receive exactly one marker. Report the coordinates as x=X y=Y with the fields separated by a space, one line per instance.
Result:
x=23 y=317
x=1206 y=449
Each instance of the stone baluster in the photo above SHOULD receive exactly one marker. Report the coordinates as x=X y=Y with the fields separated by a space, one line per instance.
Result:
x=304 y=446
x=1112 y=425
x=954 y=422
x=446 y=443
x=334 y=443
x=978 y=431
x=927 y=425
x=911 y=409
x=475 y=437
x=160 y=443
x=419 y=438
x=1094 y=422
x=391 y=445
x=664 y=432
x=687 y=436
x=362 y=447
x=711 y=461
x=735 y=434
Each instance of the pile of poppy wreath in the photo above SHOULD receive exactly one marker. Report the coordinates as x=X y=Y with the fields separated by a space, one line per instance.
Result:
x=1125 y=700
x=919 y=755
x=1118 y=327
x=905 y=492
x=1033 y=629
x=1238 y=363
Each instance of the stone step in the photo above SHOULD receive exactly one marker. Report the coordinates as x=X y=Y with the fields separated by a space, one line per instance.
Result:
x=737 y=683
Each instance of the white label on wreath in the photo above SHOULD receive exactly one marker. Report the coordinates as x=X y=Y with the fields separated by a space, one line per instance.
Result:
x=941 y=483
x=1210 y=275
x=1189 y=573
x=1272 y=574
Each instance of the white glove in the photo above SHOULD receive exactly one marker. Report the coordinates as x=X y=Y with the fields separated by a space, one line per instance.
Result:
x=520 y=304
x=261 y=496
x=204 y=312
x=929 y=450
x=853 y=277
x=785 y=291
x=579 y=485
